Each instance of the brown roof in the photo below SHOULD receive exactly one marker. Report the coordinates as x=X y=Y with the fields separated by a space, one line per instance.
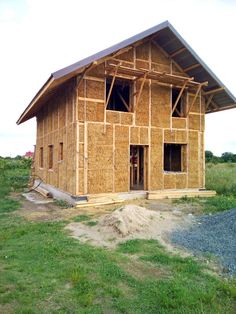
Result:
x=170 y=40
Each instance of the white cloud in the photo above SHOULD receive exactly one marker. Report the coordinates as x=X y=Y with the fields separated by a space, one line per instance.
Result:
x=40 y=37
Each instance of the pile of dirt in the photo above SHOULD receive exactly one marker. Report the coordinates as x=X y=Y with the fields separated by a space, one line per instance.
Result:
x=128 y=219
x=125 y=223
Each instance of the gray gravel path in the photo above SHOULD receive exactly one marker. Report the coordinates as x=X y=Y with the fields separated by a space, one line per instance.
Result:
x=214 y=234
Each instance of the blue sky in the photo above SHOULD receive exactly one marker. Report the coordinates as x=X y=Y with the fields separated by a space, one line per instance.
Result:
x=41 y=36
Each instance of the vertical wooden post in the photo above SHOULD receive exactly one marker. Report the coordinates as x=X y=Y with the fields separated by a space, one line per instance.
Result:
x=138 y=165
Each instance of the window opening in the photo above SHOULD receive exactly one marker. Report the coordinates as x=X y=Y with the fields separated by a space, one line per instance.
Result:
x=175 y=157
x=180 y=110
x=60 y=151
x=120 y=98
x=41 y=158
x=50 y=156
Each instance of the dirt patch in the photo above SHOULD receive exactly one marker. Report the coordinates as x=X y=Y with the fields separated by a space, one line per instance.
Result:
x=145 y=270
x=129 y=222
x=49 y=211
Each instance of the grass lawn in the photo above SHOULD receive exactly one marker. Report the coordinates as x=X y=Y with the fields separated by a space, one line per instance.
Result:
x=43 y=270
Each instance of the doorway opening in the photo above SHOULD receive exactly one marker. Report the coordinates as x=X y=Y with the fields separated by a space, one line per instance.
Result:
x=138 y=167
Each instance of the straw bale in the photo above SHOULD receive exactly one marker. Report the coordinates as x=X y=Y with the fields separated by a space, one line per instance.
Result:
x=81 y=181
x=94 y=111
x=169 y=181
x=126 y=118
x=95 y=89
x=142 y=64
x=160 y=67
x=194 y=121
x=175 y=136
x=158 y=56
x=134 y=135
x=55 y=116
x=113 y=116
x=196 y=106
x=202 y=117
x=179 y=123
x=100 y=181
x=80 y=89
x=143 y=133
x=81 y=155
x=160 y=109
x=127 y=56
x=97 y=71
x=142 y=51
x=181 y=180
x=121 y=174
x=81 y=116
x=156 y=158
x=81 y=133
x=142 y=108
x=62 y=114
x=169 y=136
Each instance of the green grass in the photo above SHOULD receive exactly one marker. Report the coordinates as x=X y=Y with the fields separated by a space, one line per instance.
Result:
x=221 y=178
x=43 y=270
x=62 y=204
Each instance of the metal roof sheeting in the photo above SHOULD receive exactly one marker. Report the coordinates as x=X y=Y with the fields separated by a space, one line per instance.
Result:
x=170 y=41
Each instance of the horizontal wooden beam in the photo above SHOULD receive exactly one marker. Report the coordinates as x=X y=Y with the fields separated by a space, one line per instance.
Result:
x=231 y=106
x=213 y=91
x=163 y=77
x=191 y=67
x=177 y=52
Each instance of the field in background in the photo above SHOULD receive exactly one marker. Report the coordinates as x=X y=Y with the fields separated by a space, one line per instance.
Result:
x=43 y=270
x=221 y=177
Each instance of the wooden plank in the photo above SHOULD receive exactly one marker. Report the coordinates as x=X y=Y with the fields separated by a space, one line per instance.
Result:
x=191 y=67
x=138 y=165
x=177 y=52
x=91 y=99
x=217 y=90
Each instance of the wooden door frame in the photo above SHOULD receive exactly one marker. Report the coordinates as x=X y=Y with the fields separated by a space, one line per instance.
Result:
x=145 y=168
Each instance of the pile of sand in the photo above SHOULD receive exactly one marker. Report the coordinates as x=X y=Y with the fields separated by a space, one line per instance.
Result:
x=128 y=219
x=127 y=222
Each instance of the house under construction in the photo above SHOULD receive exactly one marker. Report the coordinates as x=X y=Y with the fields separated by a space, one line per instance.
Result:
x=128 y=118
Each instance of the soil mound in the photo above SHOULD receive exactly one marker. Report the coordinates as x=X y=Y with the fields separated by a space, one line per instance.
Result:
x=128 y=219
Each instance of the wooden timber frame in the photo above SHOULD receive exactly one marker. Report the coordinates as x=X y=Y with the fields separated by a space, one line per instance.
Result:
x=97 y=141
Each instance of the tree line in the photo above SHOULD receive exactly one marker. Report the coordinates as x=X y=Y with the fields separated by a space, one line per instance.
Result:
x=225 y=157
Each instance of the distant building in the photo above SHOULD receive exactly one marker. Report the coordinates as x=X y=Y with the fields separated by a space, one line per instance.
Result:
x=28 y=154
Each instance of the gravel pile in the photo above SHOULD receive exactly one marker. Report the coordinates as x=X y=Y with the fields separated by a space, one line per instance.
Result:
x=214 y=234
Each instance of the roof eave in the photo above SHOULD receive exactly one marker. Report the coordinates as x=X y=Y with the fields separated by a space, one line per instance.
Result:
x=39 y=94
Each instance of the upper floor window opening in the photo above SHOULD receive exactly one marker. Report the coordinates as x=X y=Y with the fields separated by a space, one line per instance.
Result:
x=120 y=96
x=180 y=108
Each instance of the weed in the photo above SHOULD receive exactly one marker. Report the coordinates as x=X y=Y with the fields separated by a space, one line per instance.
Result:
x=91 y=223
x=81 y=218
x=62 y=204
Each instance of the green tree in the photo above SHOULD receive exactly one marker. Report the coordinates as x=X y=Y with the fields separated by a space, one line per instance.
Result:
x=208 y=156
x=228 y=157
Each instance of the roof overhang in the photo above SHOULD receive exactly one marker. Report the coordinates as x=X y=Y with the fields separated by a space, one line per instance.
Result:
x=171 y=42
